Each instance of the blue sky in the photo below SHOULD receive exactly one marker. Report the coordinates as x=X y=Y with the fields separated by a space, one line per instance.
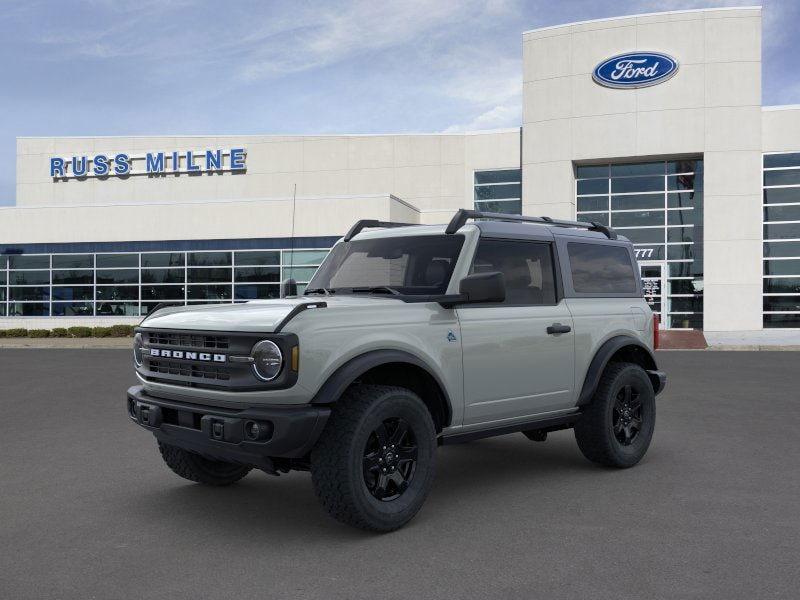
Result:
x=152 y=67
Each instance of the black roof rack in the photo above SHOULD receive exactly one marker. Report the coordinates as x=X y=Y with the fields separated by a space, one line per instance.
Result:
x=364 y=223
x=463 y=215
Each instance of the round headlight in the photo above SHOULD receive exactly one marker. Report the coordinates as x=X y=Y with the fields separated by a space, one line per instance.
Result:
x=267 y=360
x=137 y=349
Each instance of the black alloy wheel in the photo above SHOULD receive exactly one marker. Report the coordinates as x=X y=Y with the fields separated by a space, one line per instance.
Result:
x=390 y=459
x=627 y=415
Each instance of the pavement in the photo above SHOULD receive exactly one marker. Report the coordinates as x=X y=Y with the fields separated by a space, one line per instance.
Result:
x=88 y=510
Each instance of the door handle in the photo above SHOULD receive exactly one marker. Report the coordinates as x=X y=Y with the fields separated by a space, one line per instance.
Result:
x=558 y=328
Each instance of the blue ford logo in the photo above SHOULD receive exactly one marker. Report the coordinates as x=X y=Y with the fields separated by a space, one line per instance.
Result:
x=635 y=70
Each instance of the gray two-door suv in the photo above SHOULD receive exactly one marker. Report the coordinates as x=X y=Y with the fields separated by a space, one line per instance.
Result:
x=408 y=337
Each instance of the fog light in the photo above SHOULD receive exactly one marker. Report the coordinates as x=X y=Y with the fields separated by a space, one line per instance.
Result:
x=252 y=430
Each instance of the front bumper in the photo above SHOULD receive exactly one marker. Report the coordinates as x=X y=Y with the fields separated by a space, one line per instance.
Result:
x=222 y=433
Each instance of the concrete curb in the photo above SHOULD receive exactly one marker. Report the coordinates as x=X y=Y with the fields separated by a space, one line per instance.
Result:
x=55 y=343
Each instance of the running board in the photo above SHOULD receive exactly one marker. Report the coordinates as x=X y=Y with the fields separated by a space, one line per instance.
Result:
x=541 y=424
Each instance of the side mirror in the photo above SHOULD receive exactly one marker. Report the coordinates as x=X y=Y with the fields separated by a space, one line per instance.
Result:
x=288 y=288
x=478 y=288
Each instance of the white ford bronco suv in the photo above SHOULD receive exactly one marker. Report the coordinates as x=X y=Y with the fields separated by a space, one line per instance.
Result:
x=408 y=337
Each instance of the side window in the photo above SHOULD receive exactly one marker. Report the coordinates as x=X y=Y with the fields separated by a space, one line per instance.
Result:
x=526 y=266
x=601 y=269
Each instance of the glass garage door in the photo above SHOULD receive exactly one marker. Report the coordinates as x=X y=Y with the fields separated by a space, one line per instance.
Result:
x=658 y=205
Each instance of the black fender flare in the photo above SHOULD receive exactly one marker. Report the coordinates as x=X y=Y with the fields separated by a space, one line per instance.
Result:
x=346 y=374
x=609 y=348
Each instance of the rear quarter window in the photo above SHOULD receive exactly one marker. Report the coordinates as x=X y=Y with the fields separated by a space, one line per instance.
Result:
x=601 y=269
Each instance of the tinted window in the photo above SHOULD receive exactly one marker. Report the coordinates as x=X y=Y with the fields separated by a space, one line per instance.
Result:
x=527 y=268
x=601 y=269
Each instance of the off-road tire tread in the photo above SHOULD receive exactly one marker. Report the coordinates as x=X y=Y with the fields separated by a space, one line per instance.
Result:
x=329 y=465
x=590 y=431
x=191 y=466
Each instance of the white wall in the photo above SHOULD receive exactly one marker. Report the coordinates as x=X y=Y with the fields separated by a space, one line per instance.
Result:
x=712 y=106
x=432 y=172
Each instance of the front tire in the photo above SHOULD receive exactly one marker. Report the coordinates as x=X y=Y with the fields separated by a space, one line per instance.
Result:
x=374 y=463
x=199 y=469
x=616 y=428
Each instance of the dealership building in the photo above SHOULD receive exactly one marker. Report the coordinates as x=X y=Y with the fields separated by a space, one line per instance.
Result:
x=650 y=123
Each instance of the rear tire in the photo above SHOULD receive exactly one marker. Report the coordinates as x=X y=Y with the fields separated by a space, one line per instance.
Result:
x=616 y=428
x=199 y=469
x=374 y=463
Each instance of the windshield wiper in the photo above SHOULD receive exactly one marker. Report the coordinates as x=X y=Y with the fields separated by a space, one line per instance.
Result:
x=376 y=289
x=321 y=290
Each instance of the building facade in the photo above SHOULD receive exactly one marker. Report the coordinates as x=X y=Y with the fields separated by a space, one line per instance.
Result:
x=650 y=123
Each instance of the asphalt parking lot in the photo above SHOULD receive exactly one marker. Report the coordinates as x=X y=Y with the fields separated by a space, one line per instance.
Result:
x=89 y=511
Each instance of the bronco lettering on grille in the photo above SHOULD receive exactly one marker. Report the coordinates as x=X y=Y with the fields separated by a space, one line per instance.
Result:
x=202 y=356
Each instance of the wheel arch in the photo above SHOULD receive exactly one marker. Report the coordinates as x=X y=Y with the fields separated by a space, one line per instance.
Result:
x=621 y=348
x=391 y=367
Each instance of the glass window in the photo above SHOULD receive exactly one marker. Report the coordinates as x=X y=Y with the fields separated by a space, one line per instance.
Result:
x=29 y=293
x=163 y=276
x=650 y=168
x=694 y=321
x=29 y=309
x=3 y=262
x=258 y=258
x=29 y=277
x=304 y=257
x=499 y=176
x=685 y=286
x=781 y=249
x=693 y=304
x=60 y=277
x=601 y=269
x=148 y=306
x=644 y=236
x=2 y=277
x=782 y=303
x=299 y=273
x=419 y=264
x=792 y=321
x=162 y=292
x=2 y=294
x=782 y=285
x=684 y=166
x=73 y=261
x=684 y=217
x=527 y=268
x=208 y=275
x=209 y=292
x=684 y=269
x=118 y=309
x=680 y=252
x=782 y=160
x=637 y=201
x=209 y=259
x=679 y=235
x=118 y=292
x=637 y=219
x=788 y=177
x=591 y=203
x=498 y=192
x=782 y=267
x=682 y=182
x=637 y=184
x=73 y=293
x=163 y=259
x=783 y=231
x=782 y=195
x=118 y=276
x=73 y=309
x=587 y=171
x=592 y=186
x=782 y=213
x=3 y=309
x=256 y=292
x=257 y=274
x=114 y=261
x=596 y=217
x=25 y=261
x=506 y=207
x=685 y=199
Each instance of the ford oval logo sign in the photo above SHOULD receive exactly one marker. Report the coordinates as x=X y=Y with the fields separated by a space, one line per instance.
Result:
x=635 y=70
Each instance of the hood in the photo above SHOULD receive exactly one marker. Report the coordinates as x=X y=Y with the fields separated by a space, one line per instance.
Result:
x=257 y=315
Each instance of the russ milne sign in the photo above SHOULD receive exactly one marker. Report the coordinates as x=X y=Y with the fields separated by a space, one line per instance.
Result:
x=152 y=163
x=635 y=70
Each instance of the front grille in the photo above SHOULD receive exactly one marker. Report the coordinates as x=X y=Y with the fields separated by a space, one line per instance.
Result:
x=187 y=369
x=188 y=340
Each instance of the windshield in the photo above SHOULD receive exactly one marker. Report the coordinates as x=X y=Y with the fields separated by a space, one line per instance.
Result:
x=408 y=265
